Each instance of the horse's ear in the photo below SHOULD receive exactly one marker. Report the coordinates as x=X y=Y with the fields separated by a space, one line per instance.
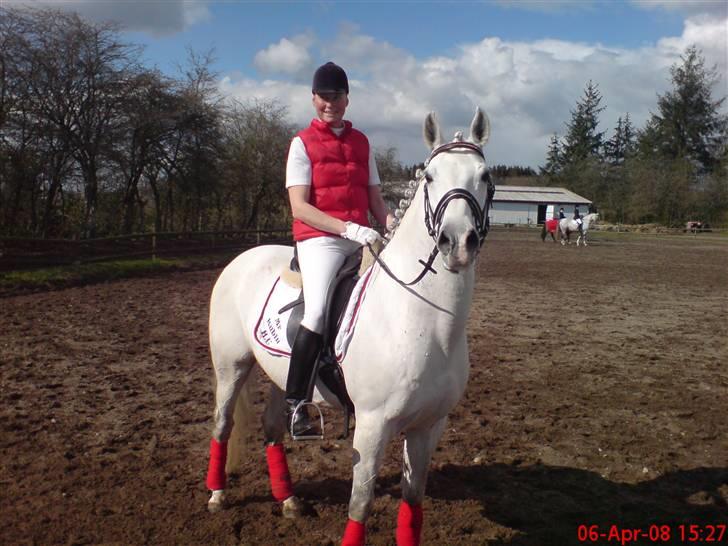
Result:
x=431 y=131
x=480 y=128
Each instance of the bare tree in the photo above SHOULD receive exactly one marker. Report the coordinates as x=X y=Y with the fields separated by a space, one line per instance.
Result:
x=75 y=76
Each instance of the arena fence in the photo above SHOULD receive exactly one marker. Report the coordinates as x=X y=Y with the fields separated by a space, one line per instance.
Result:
x=25 y=253
x=18 y=253
x=643 y=229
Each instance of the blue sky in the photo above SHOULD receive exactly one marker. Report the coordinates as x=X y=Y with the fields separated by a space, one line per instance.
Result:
x=236 y=30
x=525 y=62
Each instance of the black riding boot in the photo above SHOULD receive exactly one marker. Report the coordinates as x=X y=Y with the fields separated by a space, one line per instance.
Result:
x=306 y=348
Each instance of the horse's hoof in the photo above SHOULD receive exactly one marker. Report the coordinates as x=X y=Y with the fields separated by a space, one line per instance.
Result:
x=216 y=502
x=292 y=507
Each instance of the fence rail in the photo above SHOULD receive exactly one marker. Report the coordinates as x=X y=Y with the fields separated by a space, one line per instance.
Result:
x=25 y=253
x=638 y=229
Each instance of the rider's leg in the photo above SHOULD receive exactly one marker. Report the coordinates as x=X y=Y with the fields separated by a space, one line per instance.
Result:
x=305 y=349
x=319 y=259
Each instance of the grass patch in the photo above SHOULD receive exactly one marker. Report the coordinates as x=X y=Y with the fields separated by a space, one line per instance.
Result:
x=14 y=282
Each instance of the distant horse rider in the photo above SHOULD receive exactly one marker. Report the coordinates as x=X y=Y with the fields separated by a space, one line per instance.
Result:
x=561 y=213
x=577 y=219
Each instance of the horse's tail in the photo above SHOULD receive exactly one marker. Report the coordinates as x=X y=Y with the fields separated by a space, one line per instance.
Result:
x=543 y=233
x=242 y=426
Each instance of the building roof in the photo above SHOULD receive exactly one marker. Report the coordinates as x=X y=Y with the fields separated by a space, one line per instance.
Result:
x=538 y=194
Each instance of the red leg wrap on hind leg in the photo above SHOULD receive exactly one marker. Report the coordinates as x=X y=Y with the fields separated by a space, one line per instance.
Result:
x=409 y=524
x=354 y=534
x=216 y=470
x=280 y=478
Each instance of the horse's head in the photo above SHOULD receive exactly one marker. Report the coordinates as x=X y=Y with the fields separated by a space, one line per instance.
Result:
x=458 y=191
x=590 y=218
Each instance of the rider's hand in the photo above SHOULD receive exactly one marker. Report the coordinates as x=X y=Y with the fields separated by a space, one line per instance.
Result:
x=360 y=234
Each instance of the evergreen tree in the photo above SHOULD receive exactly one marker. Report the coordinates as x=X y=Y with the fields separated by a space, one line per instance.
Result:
x=582 y=140
x=689 y=124
x=622 y=144
x=553 y=158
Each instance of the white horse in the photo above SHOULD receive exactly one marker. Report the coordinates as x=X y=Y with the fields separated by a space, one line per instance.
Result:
x=407 y=363
x=569 y=225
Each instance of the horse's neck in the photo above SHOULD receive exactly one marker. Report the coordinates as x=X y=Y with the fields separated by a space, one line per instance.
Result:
x=410 y=243
x=443 y=296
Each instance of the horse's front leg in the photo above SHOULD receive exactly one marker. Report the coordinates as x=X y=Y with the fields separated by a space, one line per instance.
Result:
x=274 y=429
x=371 y=437
x=230 y=375
x=418 y=448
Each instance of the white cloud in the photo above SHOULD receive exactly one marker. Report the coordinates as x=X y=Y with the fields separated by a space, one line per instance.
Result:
x=288 y=56
x=156 y=18
x=527 y=88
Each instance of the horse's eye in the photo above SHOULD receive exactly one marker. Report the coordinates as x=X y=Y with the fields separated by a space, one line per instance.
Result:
x=485 y=177
x=428 y=177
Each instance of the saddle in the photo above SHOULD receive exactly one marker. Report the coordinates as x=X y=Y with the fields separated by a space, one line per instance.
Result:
x=327 y=367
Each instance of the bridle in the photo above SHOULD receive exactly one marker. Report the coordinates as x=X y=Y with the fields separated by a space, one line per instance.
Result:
x=433 y=217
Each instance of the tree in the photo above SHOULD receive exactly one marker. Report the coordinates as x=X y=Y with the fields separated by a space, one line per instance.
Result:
x=256 y=137
x=582 y=140
x=622 y=143
x=688 y=123
x=554 y=159
x=73 y=76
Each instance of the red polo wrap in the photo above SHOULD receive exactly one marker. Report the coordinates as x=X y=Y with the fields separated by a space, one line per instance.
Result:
x=354 y=534
x=280 y=478
x=409 y=524
x=339 y=175
x=216 y=470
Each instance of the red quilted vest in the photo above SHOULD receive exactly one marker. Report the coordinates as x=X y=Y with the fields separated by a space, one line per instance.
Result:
x=339 y=175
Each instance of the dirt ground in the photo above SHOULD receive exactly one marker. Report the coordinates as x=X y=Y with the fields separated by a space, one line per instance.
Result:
x=598 y=396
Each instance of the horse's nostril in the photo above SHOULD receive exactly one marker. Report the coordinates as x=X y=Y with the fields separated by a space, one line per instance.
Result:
x=444 y=243
x=472 y=241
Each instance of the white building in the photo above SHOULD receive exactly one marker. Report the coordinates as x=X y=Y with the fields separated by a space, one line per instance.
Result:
x=529 y=204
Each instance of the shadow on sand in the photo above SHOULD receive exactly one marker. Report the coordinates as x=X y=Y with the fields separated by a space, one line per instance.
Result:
x=547 y=504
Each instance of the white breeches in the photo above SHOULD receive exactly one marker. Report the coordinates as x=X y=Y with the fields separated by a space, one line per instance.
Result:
x=319 y=259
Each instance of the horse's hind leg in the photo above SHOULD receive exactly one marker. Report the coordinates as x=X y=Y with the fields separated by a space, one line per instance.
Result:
x=418 y=448
x=231 y=373
x=371 y=436
x=274 y=429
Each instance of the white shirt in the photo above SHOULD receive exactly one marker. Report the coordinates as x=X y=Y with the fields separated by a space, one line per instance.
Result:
x=298 y=167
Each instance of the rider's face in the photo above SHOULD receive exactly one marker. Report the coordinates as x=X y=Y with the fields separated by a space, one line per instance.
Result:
x=330 y=107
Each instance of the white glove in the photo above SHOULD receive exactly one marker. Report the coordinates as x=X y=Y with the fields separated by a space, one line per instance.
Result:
x=360 y=234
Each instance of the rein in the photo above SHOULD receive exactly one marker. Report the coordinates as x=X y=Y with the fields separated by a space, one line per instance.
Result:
x=433 y=218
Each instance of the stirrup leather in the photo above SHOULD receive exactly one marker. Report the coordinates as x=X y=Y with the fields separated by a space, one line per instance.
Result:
x=311 y=434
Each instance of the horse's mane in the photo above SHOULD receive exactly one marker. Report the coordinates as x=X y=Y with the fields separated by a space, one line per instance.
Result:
x=410 y=193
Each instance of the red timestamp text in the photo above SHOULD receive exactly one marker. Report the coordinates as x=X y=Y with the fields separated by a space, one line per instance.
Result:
x=655 y=534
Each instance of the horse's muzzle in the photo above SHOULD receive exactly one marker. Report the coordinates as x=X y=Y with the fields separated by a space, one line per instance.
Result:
x=458 y=250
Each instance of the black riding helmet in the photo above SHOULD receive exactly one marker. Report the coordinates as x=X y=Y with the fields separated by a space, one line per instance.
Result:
x=330 y=78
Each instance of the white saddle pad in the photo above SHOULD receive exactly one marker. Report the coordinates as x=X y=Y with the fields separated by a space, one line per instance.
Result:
x=348 y=323
x=270 y=328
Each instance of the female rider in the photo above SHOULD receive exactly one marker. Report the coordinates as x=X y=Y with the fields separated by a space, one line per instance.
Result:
x=332 y=183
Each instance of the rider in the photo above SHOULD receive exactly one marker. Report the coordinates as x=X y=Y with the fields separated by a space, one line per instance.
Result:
x=561 y=213
x=332 y=183
x=577 y=219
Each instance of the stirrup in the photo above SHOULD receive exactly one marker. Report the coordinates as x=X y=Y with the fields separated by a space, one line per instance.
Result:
x=308 y=435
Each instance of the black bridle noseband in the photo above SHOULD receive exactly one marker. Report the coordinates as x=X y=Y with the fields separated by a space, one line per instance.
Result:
x=433 y=218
